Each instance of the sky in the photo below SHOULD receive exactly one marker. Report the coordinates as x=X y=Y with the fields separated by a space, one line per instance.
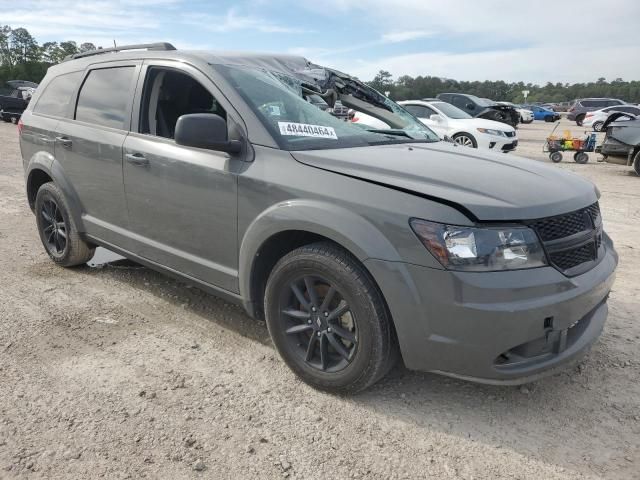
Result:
x=531 y=41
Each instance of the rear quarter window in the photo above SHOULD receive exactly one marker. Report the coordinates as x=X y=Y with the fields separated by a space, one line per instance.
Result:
x=56 y=95
x=104 y=97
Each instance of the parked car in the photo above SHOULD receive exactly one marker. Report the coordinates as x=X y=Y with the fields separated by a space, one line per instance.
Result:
x=482 y=108
x=563 y=106
x=543 y=113
x=597 y=118
x=526 y=115
x=358 y=246
x=621 y=143
x=579 y=110
x=447 y=120
x=14 y=98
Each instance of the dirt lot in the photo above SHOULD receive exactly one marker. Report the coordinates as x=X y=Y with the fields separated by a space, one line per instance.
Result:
x=119 y=372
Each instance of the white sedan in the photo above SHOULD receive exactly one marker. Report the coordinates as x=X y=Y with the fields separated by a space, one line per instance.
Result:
x=446 y=119
x=597 y=118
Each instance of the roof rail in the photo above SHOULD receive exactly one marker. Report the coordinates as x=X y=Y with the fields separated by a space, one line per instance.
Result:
x=141 y=46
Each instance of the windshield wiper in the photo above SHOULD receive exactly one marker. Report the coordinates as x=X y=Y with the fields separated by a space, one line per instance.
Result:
x=390 y=131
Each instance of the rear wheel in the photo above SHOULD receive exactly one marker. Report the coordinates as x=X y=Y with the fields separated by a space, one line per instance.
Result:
x=328 y=320
x=636 y=163
x=465 y=139
x=580 y=119
x=581 y=157
x=57 y=229
x=597 y=126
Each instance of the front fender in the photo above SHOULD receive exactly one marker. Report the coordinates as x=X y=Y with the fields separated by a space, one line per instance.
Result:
x=348 y=229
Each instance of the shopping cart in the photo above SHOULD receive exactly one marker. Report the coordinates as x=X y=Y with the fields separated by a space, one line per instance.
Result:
x=567 y=143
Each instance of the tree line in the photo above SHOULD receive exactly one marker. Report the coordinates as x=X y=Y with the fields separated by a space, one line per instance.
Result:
x=410 y=88
x=22 y=58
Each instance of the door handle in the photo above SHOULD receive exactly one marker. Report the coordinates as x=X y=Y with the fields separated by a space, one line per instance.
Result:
x=137 y=159
x=64 y=141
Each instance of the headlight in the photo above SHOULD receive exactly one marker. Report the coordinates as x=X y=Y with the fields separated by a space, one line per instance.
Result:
x=490 y=131
x=480 y=249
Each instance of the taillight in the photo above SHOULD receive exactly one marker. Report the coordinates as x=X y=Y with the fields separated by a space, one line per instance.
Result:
x=20 y=126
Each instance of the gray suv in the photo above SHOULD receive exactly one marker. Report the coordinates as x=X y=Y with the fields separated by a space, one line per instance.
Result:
x=581 y=107
x=358 y=245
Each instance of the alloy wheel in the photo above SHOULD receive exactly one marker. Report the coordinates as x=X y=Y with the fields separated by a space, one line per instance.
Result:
x=319 y=324
x=54 y=227
x=464 y=141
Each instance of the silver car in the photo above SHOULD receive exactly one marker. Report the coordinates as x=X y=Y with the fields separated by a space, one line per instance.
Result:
x=359 y=246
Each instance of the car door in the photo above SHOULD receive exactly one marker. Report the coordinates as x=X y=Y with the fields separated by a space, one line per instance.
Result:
x=88 y=146
x=182 y=201
x=41 y=123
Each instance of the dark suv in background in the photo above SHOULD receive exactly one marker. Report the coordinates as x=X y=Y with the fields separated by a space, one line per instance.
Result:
x=579 y=109
x=482 y=108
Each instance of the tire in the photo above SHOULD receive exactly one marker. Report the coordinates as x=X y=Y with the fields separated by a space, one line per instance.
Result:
x=60 y=237
x=555 y=157
x=581 y=157
x=305 y=319
x=636 y=163
x=597 y=126
x=580 y=119
x=548 y=119
x=465 y=139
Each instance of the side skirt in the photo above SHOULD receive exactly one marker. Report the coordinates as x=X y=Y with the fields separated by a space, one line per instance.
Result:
x=207 y=287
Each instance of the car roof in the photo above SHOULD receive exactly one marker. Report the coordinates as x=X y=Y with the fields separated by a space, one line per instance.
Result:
x=278 y=62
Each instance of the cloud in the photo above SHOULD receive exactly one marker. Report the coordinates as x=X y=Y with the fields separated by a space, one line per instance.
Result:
x=85 y=21
x=398 y=37
x=232 y=21
x=536 y=65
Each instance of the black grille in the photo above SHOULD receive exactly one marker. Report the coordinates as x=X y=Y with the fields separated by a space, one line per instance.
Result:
x=571 y=258
x=565 y=256
x=561 y=226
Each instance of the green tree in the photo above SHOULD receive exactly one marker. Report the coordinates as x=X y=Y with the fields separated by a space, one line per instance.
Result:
x=85 y=47
x=23 y=46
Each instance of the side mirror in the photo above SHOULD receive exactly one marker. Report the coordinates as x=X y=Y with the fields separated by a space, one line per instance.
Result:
x=471 y=106
x=436 y=117
x=205 y=130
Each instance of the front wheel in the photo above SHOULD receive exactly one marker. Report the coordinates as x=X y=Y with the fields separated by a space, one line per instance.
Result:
x=328 y=320
x=465 y=139
x=579 y=120
x=636 y=163
x=555 y=157
x=597 y=126
x=57 y=229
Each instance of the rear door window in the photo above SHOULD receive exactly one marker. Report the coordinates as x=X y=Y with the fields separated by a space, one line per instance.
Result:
x=419 y=111
x=105 y=97
x=54 y=100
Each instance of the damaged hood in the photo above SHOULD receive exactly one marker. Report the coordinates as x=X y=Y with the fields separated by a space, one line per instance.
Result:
x=491 y=187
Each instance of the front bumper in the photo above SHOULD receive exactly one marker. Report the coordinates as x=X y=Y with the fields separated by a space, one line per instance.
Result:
x=495 y=327
x=494 y=142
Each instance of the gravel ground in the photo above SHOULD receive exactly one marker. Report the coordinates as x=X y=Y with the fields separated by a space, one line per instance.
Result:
x=120 y=372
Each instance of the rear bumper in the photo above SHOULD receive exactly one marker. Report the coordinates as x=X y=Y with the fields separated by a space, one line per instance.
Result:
x=495 y=327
